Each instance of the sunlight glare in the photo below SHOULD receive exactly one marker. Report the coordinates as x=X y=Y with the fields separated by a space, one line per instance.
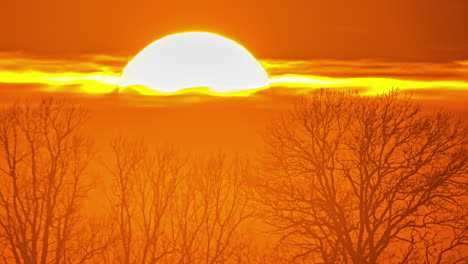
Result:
x=195 y=59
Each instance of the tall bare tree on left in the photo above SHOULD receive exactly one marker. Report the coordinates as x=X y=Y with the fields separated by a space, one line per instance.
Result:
x=43 y=162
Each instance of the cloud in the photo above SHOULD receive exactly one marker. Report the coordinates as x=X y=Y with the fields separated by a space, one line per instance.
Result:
x=457 y=70
x=100 y=74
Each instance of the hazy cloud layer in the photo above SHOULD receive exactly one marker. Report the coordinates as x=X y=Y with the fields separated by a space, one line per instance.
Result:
x=89 y=75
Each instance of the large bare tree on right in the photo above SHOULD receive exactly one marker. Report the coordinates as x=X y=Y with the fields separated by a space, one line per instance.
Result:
x=353 y=179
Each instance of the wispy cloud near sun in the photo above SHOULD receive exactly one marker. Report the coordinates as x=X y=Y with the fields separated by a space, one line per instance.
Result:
x=100 y=74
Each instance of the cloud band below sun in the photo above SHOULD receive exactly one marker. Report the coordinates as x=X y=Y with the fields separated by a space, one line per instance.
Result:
x=101 y=75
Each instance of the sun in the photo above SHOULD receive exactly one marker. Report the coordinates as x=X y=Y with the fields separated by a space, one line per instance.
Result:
x=195 y=59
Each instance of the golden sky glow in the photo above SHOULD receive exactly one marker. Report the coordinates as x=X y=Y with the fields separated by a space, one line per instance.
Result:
x=197 y=63
x=210 y=116
x=101 y=74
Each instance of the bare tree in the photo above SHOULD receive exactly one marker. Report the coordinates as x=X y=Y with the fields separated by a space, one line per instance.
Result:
x=211 y=207
x=446 y=241
x=145 y=186
x=352 y=179
x=91 y=242
x=43 y=160
x=171 y=210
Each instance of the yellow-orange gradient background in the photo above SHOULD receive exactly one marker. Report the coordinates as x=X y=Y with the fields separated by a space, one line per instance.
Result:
x=77 y=49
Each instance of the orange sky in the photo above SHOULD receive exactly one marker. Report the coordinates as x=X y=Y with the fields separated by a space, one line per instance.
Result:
x=396 y=30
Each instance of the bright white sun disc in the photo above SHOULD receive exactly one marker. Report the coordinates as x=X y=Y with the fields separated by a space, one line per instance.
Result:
x=195 y=59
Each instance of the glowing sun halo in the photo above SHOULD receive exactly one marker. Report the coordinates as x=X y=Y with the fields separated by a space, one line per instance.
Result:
x=195 y=59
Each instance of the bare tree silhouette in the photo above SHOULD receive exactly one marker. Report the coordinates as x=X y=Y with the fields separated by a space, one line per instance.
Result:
x=351 y=179
x=211 y=207
x=170 y=210
x=43 y=160
x=344 y=179
x=145 y=188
